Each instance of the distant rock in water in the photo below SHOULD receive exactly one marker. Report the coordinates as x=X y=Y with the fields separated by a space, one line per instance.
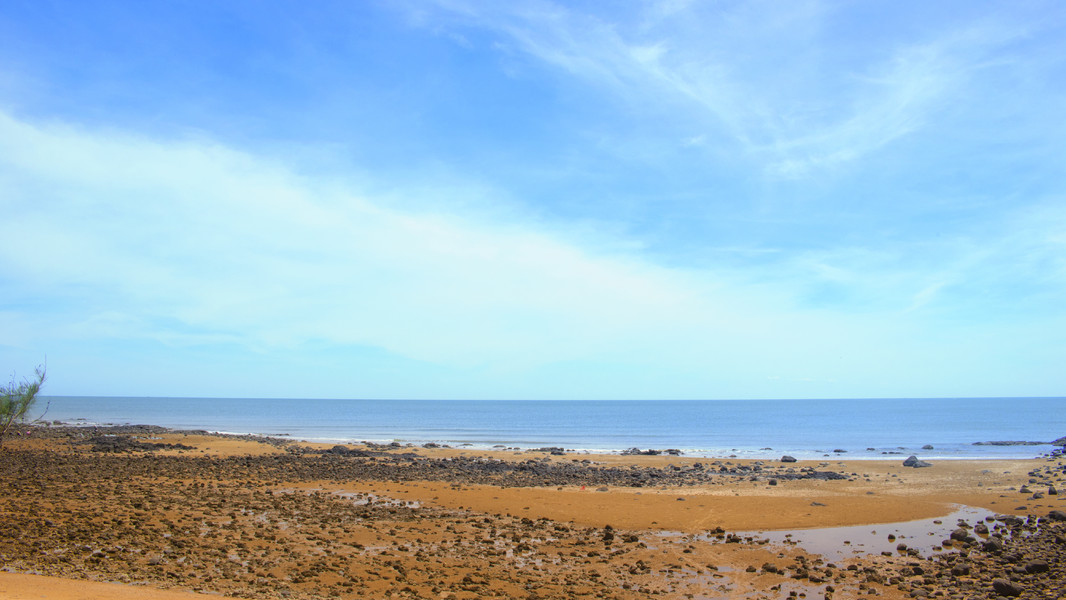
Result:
x=1021 y=443
x=927 y=447
x=554 y=450
x=912 y=461
x=1060 y=442
x=639 y=452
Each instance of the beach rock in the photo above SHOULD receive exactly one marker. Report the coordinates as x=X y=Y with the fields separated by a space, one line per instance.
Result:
x=993 y=545
x=125 y=443
x=1037 y=566
x=552 y=450
x=961 y=535
x=1057 y=515
x=639 y=452
x=1004 y=587
x=788 y=459
x=912 y=461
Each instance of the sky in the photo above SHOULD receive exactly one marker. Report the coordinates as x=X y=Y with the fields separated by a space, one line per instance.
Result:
x=534 y=199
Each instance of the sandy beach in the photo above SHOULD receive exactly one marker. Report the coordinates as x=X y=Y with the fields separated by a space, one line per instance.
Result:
x=146 y=513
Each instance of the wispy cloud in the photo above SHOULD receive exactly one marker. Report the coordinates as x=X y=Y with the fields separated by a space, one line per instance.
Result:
x=761 y=73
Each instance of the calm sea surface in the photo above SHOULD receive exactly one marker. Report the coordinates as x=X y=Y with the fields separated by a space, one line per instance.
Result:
x=744 y=428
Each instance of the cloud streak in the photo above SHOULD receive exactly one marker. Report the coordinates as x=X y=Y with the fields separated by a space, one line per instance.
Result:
x=751 y=71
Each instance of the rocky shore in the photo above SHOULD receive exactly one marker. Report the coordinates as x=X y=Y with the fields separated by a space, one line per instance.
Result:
x=148 y=507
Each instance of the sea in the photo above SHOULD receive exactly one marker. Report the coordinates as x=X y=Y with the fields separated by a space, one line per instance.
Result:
x=931 y=428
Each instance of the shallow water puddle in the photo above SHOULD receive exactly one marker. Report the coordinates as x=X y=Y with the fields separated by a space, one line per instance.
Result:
x=838 y=543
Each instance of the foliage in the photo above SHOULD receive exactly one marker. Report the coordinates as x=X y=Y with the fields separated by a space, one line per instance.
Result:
x=16 y=400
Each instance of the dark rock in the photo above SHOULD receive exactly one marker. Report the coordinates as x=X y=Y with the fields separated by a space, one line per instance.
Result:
x=788 y=459
x=961 y=535
x=639 y=452
x=1006 y=588
x=125 y=443
x=912 y=461
x=927 y=447
x=1037 y=566
x=1057 y=515
x=993 y=545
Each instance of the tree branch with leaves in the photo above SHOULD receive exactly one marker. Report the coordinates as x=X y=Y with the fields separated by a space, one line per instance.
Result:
x=16 y=400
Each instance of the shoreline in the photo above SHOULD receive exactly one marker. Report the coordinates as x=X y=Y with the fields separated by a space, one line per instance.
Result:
x=989 y=450
x=155 y=507
x=756 y=429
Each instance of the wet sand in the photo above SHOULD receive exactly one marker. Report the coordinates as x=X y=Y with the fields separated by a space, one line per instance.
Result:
x=247 y=517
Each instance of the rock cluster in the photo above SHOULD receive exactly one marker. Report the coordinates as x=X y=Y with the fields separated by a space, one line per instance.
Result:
x=258 y=527
x=214 y=525
x=1004 y=557
x=1018 y=557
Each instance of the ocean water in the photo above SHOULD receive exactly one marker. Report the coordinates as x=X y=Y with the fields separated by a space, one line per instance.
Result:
x=863 y=428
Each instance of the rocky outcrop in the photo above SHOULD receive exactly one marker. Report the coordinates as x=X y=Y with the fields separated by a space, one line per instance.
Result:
x=912 y=461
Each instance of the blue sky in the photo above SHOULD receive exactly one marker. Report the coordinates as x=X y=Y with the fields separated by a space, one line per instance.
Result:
x=530 y=199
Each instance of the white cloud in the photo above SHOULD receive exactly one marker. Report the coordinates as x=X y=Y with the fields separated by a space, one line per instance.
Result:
x=114 y=238
x=227 y=246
